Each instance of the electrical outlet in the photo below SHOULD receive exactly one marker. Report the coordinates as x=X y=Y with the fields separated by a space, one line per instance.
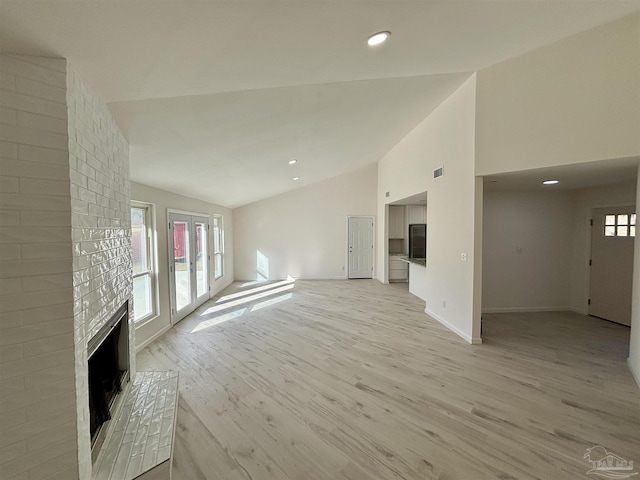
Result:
x=463 y=257
x=444 y=304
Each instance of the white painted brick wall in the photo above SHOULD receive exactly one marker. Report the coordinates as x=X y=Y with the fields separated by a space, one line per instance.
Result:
x=101 y=232
x=37 y=380
x=65 y=261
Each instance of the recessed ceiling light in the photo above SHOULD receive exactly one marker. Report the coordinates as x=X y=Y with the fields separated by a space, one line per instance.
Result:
x=291 y=162
x=550 y=182
x=378 y=38
x=295 y=179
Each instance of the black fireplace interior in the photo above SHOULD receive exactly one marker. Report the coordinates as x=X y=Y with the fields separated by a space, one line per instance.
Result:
x=108 y=368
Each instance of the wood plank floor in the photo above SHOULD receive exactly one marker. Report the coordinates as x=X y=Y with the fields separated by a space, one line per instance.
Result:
x=342 y=380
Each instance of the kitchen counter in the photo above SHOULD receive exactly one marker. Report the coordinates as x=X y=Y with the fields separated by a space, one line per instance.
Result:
x=416 y=261
x=417 y=277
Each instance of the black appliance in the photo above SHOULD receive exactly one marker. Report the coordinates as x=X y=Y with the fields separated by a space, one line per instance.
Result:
x=418 y=240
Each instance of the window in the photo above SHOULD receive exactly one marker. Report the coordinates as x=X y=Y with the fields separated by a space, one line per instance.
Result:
x=144 y=277
x=218 y=245
x=621 y=225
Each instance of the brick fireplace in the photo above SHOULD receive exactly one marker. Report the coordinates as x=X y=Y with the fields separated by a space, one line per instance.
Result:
x=65 y=261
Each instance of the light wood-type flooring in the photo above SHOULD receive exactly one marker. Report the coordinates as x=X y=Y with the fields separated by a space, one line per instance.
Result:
x=337 y=380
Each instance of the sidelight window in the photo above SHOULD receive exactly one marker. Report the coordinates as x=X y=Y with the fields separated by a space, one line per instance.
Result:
x=218 y=246
x=144 y=275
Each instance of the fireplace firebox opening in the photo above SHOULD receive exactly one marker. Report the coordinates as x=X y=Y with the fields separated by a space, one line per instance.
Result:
x=108 y=353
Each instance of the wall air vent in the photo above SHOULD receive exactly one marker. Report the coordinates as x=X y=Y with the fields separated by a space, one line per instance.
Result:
x=438 y=172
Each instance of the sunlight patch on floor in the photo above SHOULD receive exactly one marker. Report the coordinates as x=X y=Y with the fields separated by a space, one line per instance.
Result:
x=219 y=319
x=243 y=300
x=271 y=301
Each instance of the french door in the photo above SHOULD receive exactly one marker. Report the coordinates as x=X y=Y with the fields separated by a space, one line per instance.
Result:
x=188 y=263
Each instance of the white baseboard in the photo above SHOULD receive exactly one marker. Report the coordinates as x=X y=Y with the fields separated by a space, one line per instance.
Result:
x=218 y=288
x=325 y=278
x=635 y=373
x=528 y=309
x=344 y=277
x=153 y=338
x=454 y=329
x=579 y=311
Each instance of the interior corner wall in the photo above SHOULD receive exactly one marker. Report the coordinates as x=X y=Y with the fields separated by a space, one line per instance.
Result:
x=527 y=258
x=302 y=233
x=445 y=138
x=634 y=341
x=585 y=200
x=576 y=100
x=162 y=201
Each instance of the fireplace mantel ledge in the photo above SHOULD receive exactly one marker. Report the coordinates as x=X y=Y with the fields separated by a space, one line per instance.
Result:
x=139 y=443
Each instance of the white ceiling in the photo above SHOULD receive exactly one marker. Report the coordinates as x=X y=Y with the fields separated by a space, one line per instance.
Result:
x=417 y=199
x=216 y=96
x=570 y=177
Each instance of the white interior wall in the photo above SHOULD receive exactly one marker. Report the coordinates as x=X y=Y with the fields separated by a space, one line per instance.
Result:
x=552 y=231
x=445 y=138
x=163 y=200
x=574 y=101
x=585 y=200
x=302 y=233
x=527 y=250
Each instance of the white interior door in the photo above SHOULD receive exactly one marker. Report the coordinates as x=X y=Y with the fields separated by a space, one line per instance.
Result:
x=612 y=239
x=360 y=247
x=189 y=263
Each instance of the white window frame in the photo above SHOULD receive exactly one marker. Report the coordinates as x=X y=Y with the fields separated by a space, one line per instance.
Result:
x=152 y=260
x=218 y=255
x=631 y=222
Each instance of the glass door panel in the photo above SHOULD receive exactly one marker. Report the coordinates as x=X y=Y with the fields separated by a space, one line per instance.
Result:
x=202 y=285
x=189 y=269
x=181 y=271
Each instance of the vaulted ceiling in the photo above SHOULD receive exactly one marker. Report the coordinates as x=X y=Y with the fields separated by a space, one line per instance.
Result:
x=216 y=97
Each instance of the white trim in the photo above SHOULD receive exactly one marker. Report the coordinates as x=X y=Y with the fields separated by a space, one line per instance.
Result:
x=220 y=285
x=152 y=233
x=635 y=374
x=144 y=321
x=279 y=279
x=373 y=248
x=454 y=329
x=528 y=309
x=186 y=212
x=579 y=311
x=153 y=338
x=328 y=278
x=213 y=242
